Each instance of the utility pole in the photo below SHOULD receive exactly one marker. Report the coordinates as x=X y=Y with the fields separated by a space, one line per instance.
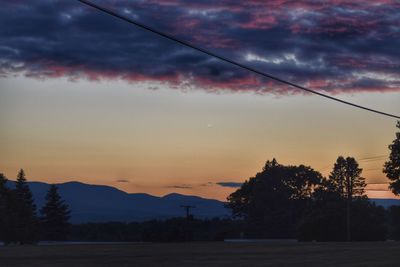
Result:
x=187 y=210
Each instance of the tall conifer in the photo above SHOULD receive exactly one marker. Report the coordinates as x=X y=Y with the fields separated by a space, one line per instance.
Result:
x=26 y=223
x=55 y=216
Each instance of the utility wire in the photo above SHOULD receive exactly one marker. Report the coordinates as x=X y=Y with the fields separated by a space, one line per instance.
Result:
x=240 y=65
x=374 y=157
x=367 y=159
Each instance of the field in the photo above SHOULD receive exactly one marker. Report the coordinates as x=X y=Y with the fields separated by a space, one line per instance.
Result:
x=204 y=254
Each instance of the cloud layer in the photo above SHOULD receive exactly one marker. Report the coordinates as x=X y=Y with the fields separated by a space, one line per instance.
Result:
x=336 y=46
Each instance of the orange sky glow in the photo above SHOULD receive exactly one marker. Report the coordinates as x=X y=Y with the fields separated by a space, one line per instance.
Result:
x=167 y=140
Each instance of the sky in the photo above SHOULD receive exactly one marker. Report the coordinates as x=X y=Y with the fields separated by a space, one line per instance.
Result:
x=89 y=98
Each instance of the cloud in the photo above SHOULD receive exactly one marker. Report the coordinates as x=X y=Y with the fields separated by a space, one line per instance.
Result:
x=384 y=190
x=122 y=181
x=185 y=186
x=377 y=187
x=229 y=184
x=207 y=184
x=341 y=46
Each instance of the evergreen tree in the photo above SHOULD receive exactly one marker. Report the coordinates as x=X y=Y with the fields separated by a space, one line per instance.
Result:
x=346 y=180
x=4 y=195
x=392 y=166
x=55 y=216
x=8 y=213
x=26 y=223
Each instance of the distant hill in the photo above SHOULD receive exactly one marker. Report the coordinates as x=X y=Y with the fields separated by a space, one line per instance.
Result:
x=98 y=203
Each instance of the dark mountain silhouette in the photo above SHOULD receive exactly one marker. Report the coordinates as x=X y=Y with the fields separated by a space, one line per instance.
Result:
x=98 y=203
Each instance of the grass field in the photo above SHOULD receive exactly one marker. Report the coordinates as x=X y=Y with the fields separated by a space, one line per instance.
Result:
x=204 y=254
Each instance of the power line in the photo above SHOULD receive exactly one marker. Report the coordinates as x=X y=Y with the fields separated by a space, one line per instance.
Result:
x=366 y=159
x=374 y=157
x=240 y=65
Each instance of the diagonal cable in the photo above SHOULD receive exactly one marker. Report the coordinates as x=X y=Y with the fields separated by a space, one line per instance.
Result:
x=240 y=65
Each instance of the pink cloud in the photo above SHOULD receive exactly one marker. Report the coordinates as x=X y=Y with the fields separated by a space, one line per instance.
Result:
x=260 y=21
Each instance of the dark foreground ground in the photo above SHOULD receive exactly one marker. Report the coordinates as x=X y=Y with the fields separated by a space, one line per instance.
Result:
x=204 y=254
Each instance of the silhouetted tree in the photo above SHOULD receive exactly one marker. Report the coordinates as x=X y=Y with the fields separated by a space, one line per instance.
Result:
x=329 y=217
x=26 y=222
x=273 y=201
x=394 y=222
x=8 y=213
x=326 y=220
x=55 y=216
x=392 y=166
x=346 y=180
x=169 y=230
x=4 y=202
x=367 y=221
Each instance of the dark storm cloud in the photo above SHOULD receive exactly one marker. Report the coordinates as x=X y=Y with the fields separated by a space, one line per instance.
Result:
x=337 y=46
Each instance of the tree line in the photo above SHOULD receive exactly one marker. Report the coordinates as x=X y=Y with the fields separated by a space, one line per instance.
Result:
x=169 y=230
x=281 y=201
x=19 y=220
x=183 y=230
x=298 y=202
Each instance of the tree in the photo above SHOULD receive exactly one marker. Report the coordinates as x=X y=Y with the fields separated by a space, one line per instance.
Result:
x=323 y=220
x=394 y=222
x=346 y=180
x=4 y=201
x=3 y=197
x=8 y=212
x=340 y=209
x=367 y=221
x=326 y=219
x=26 y=223
x=272 y=202
x=392 y=166
x=55 y=216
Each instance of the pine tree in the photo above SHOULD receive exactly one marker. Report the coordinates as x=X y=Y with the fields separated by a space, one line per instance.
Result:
x=26 y=224
x=392 y=166
x=8 y=213
x=55 y=216
x=4 y=193
x=346 y=180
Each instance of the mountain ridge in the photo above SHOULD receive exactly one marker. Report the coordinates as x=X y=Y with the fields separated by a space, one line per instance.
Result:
x=103 y=203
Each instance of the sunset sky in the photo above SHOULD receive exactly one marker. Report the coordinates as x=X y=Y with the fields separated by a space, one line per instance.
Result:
x=86 y=97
